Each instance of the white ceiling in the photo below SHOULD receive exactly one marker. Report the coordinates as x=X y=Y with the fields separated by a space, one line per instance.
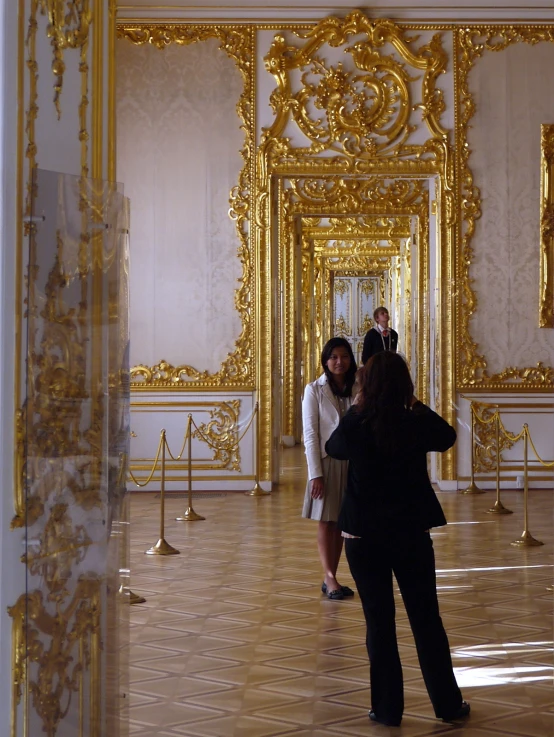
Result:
x=274 y=10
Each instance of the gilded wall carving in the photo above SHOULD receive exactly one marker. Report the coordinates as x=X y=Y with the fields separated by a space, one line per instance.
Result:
x=216 y=428
x=57 y=632
x=485 y=451
x=546 y=297
x=45 y=643
x=68 y=28
x=343 y=245
x=377 y=153
x=73 y=428
x=473 y=44
x=221 y=431
x=238 y=368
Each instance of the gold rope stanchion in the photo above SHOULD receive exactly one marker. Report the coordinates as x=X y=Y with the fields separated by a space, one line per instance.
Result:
x=472 y=488
x=190 y=515
x=257 y=489
x=526 y=540
x=133 y=598
x=162 y=547
x=498 y=507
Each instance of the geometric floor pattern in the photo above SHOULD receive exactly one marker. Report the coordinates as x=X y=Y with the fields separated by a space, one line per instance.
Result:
x=236 y=640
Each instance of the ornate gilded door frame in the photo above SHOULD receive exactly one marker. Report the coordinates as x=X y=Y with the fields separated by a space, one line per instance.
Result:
x=318 y=263
x=298 y=211
x=353 y=135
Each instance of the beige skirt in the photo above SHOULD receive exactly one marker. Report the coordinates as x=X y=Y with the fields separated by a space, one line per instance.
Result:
x=334 y=479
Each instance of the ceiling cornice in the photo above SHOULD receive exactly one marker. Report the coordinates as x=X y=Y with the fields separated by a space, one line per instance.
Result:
x=310 y=11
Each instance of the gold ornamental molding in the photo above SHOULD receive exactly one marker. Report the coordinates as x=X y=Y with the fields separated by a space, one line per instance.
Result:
x=220 y=431
x=68 y=28
x=485 y=450
x=56 y=636
x=359 y=117
x=323 y=255
x=472 y=43
x=366 y=111
x=370 y=227
x=237 y=370
x=546 y=301
x=51 y=650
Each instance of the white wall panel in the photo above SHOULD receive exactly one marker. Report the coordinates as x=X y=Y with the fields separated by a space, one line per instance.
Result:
x=515 y=410
x=179 y=142
x=152 y=412
x=513 y=96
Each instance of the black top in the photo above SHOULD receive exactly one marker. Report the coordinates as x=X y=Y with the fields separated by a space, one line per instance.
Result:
x=375 y=342
x=394 y=492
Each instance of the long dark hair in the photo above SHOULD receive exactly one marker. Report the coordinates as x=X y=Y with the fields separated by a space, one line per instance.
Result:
x=350 y=376
x=385 y=394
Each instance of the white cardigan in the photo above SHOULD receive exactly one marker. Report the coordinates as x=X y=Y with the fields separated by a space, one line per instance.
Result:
x=320 y=416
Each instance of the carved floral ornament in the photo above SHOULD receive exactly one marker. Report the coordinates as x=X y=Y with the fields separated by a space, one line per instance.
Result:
x=383 y=73
x=360 y=107
x=68 y=28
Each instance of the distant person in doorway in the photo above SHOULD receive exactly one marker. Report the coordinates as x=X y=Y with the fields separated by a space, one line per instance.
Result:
x=381 y=337
x=325 y=401
x=388 y=508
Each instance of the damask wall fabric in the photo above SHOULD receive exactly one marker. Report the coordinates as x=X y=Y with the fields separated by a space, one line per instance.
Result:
x=513 y=97
x=178 y=141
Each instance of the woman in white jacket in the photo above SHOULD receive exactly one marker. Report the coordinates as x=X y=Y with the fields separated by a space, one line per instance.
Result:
x=325 y=401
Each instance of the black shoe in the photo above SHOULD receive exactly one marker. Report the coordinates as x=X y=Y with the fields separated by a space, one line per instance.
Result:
x=462 y=713
x=387 y=722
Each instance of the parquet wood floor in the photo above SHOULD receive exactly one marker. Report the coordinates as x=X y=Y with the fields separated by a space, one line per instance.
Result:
x=236 y=640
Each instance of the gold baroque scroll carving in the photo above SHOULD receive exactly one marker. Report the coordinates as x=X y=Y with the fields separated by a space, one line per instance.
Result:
x=485 y=451
x=75 y=24
x=56 y=637
x=237 y=369
x=546 y=300
x=356 y=122
x=471 y=44
x=222 y=433
x=361 y=136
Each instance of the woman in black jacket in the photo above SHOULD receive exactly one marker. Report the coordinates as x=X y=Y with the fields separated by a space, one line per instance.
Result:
x=388 y=508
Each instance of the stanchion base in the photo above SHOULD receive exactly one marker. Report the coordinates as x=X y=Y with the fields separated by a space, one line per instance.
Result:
x=499 y=508
x=472 y=489
x=550 y=588
x=526 y=541
x=162 y=548
x=189 y=516
x=257 y=491
x=136 y=599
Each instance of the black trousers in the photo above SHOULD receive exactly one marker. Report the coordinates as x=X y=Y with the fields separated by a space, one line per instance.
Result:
x=411 y=558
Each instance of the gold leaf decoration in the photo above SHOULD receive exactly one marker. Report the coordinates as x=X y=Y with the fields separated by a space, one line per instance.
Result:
x=68 y=28
x=365 y=108
x=546 y=279
x=485 y=451
x=221 y=433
